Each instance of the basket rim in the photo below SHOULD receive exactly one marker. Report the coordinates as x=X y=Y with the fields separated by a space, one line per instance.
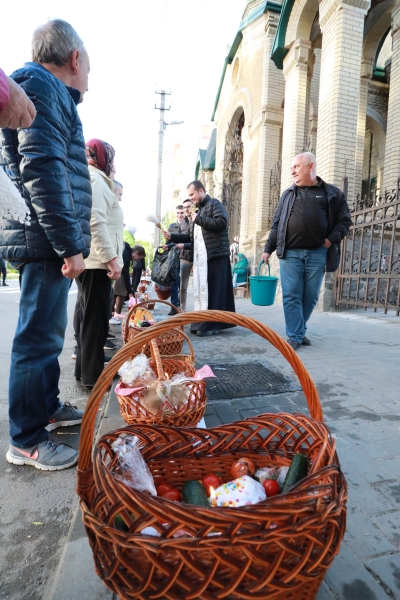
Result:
x=255 y=511
x=106 y=377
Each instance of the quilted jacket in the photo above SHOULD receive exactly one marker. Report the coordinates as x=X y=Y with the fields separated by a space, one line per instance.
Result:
x=213 y=219
x=48 y=164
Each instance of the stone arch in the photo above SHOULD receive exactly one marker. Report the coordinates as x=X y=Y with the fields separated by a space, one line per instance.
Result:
x=300 y=21
x=373 y=114
x=377 y=23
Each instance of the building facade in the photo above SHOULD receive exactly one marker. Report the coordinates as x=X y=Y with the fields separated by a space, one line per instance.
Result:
x=307 y=75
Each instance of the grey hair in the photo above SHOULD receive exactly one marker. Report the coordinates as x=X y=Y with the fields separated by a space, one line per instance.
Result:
x=54 y=42
x=310 y=157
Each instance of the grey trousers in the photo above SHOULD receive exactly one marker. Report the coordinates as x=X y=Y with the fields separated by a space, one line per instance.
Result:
x=186 y=267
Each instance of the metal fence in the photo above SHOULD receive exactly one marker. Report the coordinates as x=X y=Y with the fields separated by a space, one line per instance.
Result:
x=369 y=272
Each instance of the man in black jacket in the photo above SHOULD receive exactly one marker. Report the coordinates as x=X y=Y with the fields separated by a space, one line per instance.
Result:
x=48 y=164
x=311 y=219
x=212 y=278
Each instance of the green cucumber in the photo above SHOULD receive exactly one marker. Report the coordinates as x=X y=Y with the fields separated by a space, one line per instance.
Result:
x=297 y=471
x=194 y=492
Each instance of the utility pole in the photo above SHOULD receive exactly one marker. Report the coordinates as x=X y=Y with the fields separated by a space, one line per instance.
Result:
x=161 y=130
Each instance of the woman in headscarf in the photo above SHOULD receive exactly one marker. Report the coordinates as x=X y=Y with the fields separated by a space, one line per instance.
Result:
x=103 y=265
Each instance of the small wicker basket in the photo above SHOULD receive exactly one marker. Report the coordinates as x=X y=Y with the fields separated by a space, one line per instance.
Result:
x=170 y=342
x=133 y=410
x=279 y=549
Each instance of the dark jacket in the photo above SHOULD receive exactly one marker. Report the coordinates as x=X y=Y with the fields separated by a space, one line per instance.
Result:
x=213 y=220
x=48 y=164
x=339 y=222
x=187 y=252
x=127 y=259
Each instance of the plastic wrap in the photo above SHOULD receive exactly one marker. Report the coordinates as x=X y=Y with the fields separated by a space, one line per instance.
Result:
x=130 y=466
x=137 y=372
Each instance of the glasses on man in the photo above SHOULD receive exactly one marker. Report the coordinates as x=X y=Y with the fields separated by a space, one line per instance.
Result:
x=180 y=212
x=187 y=207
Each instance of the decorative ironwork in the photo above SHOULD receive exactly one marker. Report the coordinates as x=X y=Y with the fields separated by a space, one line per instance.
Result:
x=231 y=188
x=274 y=189
x=369 y=272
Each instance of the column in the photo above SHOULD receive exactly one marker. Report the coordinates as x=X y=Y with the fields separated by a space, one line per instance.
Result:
x=366 y=74
x=342 y=26
x=392 y=152
x=314 y=97
x=245 y=229
x=297 y=69
x=269 y=133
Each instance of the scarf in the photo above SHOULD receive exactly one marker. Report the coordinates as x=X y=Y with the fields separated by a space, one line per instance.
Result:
x=100 y=155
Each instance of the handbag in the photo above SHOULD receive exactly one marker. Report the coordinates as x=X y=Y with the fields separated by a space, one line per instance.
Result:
x=166 y=265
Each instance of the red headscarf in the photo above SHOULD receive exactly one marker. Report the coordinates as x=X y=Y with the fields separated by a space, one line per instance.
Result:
x=100 y=155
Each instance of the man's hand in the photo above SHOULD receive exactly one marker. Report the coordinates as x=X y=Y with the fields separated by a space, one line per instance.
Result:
x=180 y=246
x=327 y=243
x=193 y=215
x=164 y=247
x=265 y=257
x=20 y=111
x=73 y=266
x=114 y=270
x=166 y=234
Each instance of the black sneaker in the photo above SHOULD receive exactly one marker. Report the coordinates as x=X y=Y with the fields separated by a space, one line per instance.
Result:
x=46 y=456
x=172 y=312
x=306 y=341
x=109 y=346
x=107 y=359
x=110 y=336
x=295 y=345
x=65 y=416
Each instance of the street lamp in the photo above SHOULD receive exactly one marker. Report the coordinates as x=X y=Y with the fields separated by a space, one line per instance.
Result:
x=161 y=130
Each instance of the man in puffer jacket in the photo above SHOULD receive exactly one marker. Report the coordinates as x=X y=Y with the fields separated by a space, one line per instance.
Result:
x=48 y=164
x=212 y=278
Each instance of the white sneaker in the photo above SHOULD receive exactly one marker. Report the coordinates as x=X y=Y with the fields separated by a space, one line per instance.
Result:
x=118 y=316
x=114 y=321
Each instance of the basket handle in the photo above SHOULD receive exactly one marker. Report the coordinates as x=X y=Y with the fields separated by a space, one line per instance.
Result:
x=106 y=377
x=259 y=267
x=132 y=310
x=155 y=352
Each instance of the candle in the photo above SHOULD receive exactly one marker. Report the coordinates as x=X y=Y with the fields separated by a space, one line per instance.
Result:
x=212 y=498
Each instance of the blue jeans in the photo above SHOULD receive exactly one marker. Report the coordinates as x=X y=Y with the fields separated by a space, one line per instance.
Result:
x=175 y=291
x=38 y=342
x=302 y=272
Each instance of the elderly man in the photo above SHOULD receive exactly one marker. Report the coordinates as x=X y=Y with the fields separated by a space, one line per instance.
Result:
x=212 y=279
x=311 y=219
x=48 y=164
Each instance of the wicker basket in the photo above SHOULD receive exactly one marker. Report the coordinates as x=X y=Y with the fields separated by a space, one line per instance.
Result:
x=278 y=549
x=133 y=411
x=170 y=342
x=163 y=293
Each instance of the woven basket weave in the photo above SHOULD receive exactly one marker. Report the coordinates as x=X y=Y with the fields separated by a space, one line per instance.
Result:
x=170 y=342
x=278 y=549
x=133 y=411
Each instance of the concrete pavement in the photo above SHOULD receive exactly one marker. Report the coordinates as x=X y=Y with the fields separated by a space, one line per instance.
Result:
x=354 y=361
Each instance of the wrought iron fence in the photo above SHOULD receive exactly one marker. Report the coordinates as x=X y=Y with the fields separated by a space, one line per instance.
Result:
x=369 y=272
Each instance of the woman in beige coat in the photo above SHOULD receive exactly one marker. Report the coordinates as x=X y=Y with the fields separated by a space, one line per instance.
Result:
x=103 y=265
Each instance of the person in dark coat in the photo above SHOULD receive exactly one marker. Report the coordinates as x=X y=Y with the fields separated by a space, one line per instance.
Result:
x=212 y=278
x=48 y=165
x=310 y=221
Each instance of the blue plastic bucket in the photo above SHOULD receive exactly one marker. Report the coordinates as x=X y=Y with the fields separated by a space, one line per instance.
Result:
x=263 y=287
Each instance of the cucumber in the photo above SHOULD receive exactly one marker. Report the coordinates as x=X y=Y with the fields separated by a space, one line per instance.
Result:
x=297 y=471
x=194 y=492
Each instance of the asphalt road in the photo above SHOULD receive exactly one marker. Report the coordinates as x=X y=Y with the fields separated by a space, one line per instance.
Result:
x=36 y=507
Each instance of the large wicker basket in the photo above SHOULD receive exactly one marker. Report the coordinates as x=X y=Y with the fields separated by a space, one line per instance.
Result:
x=133 y=411
x=278 y=549
x=170 y=342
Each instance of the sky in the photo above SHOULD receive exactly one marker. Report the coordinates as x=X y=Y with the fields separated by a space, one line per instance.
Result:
x=136 y=48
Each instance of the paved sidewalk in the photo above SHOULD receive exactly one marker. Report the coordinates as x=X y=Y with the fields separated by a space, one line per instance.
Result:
x=354 y=361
